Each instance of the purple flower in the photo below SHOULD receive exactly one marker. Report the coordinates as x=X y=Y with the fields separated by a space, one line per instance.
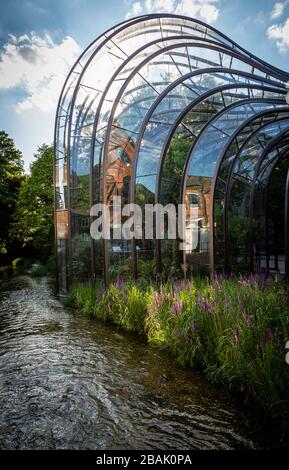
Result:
x=178 y=286
x=189 y=286
x=238 y=332
x=215 y=277
x=249 y=322
x=194 y=326
x=198 y=298
x=206 y=305
x=177 y=307
x=119 y=283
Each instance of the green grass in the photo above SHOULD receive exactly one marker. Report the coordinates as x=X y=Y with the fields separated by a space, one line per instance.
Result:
x=235 y=329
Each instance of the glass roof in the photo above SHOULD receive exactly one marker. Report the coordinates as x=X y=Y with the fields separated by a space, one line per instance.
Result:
x=150 y=91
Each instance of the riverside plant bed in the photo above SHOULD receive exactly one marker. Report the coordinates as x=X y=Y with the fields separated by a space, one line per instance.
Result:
x=234 y=328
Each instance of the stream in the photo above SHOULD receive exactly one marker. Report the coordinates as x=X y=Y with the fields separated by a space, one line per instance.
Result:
x=71 y=382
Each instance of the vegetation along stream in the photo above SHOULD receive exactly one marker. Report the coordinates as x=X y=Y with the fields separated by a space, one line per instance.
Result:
x=71 y=382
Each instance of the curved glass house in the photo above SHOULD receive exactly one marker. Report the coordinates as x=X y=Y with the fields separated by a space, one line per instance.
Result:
x=166 y=109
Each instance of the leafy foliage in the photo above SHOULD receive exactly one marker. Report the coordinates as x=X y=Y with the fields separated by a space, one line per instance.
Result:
x=11 y=175
x=33 y=220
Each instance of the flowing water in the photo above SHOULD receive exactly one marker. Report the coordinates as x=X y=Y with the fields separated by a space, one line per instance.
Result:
x=71 y=382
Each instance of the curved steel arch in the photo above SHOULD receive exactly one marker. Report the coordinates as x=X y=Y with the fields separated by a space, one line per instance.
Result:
x=173 y=85
x=254 y=77
x=217 y=90
x=190 y=160
x=65 y=90
x=179 y=122
x=233 y=54
x=110 y=123
x=281 y=146
x=63 y=94
x=268 y=148
x=169 y=48
x=115 y=106
x=201 y=97
x=128 y=23
x=237 y=104
x=189 y=108
x=224 y=110
x=74 y=133
x=238 y=131
x=123 y=27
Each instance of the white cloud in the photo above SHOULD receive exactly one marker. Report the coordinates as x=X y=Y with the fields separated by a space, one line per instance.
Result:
x=278 y=9
x=280 y=34
x=137 y=8
x=159 y=6
x=39 y=66
x=206 y=10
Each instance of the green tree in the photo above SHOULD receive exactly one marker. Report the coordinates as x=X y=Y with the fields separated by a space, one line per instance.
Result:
x=11 y=176
x=34 y=226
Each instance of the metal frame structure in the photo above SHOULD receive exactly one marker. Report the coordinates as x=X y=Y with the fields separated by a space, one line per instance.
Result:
x=248 y=123
x=273 y=155
x=145 y=85
x=263 y=150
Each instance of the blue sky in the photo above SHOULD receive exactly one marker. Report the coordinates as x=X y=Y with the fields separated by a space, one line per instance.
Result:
x=40 y=39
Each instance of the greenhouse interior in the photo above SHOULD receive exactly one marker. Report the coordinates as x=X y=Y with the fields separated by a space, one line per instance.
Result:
x=166 y=109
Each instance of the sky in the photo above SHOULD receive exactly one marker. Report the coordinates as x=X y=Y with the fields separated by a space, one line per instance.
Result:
x=41 y=39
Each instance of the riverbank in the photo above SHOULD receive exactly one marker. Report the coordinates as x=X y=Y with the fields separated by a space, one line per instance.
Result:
x=68 y=381
x=234 y=329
